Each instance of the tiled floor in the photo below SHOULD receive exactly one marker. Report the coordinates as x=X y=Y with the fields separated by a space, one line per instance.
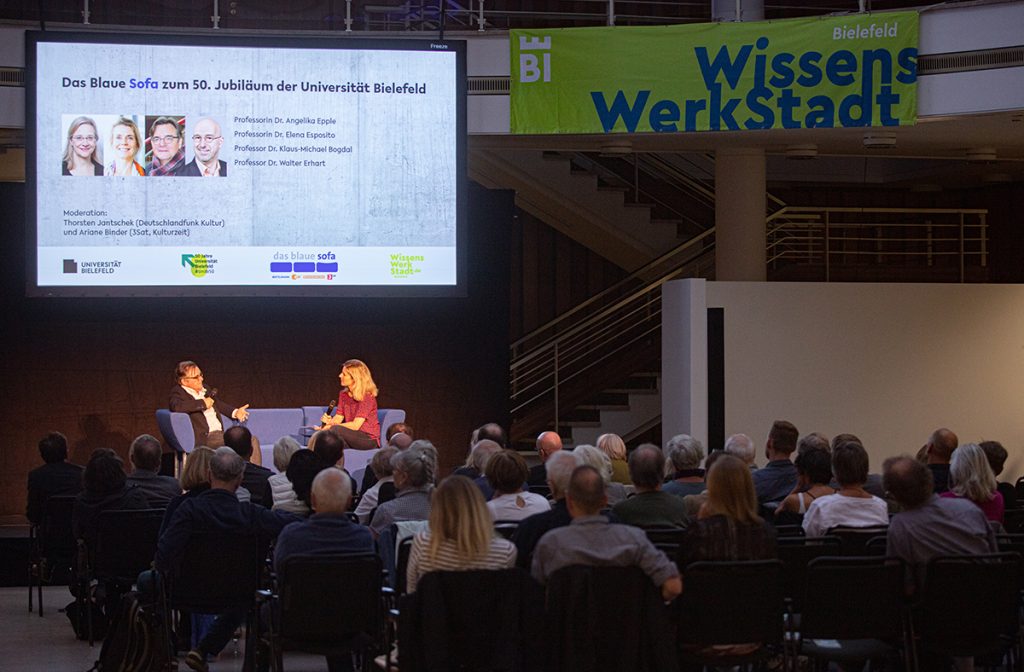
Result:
x=29 y=643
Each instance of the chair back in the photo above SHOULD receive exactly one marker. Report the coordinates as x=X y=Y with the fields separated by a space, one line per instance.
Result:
x=969 y=603
x=1013 y=520
x=402 y=564
x=667 y=539
x=125 y=543
x=788 y=531
x=855 y=539
x=329 y=598
x=853 y=598
x=584 y=636
x=219 y=571
x=731 y=603
x=176 y=428
x=55 y=536
x=796 y=553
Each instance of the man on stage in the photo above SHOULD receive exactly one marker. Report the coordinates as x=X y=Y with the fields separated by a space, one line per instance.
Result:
x=190 y=396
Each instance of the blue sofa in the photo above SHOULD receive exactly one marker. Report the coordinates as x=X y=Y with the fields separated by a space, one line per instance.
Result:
x=270 y=424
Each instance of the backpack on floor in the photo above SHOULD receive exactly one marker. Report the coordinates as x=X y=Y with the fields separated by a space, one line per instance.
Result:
x=136 y=640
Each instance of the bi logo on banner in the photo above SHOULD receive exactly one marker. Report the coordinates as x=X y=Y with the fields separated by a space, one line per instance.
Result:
x=535 y=67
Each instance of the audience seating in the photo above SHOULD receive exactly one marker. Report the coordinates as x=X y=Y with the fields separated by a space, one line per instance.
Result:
x=506 y=528
x=668 y=539
x=969 y=606
x=606 y=618
x=125 y=547
x=1013 y=521
x=796 y=553
x=473 y=620
x=731 y=603
x=52 y=545
x=855 y=539
x=220 y=572
x=328 y=605
x=853 y=611
x=789 y=531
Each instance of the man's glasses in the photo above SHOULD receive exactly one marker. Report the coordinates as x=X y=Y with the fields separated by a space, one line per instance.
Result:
x=205 y=138
x=163 y=139
x=195 y=377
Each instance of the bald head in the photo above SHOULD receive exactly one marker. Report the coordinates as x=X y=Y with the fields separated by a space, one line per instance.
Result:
x=941 y=445
x=548 y=443
x=332 y=492
x=908 y=481
x=586 y=495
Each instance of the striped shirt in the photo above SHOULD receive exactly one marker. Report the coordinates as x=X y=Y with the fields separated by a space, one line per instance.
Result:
x=501 y=555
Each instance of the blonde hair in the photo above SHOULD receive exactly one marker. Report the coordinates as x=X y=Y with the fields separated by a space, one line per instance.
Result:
x=731 y=490
x=458 y=514
x=612 y=445
x=69 y=151
x=362 y=381
x=196 y=471
x=130 y=125
x=970 y=475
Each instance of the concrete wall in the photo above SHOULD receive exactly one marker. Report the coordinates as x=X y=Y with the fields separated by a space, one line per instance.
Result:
x=888 y=362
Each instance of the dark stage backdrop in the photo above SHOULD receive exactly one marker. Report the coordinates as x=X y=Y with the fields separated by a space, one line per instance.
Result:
x=97 y=369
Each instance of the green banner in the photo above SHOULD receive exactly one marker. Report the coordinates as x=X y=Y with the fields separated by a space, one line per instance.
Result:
x=822 y=72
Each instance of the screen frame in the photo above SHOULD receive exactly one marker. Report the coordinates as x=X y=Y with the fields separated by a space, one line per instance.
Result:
x=248 y=40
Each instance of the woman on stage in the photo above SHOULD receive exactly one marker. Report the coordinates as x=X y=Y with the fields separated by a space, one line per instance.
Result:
x=356 y=420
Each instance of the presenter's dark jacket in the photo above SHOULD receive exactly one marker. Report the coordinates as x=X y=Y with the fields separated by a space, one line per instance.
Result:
x=97 y=168
x=182 y=402
x=192 y=169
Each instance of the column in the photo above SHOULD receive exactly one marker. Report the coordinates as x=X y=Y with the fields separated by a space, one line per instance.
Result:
x=740 y=214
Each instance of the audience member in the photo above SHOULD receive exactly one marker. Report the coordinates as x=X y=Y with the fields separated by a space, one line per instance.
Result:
x=282 y=495
x=591 y=540
x=741 y=446
x=936 y=453
x=776 y=480
x=215 y=510
x=413 y=471
x=329 y=447
x=650 y=506
x=492 y=431
x=548 y=443
x=506 y=473
x=559 y=468
x=256 y=477
x=56 y=477
x=194 y=478
x=104 y=488
x=327 y=532
x=683 y=455
x=399 y=428
x=813 y=441
x=852 y=506
x=997 y=455
x=814 y=473
x=302 y=469
x=476 y=463
x=460 y=536
x=929 y=525
x=874 y=482
x=615 y=448
x=383 y=489
x=971 y=477
x=615 y=492
x=728 y=526
x=144 y=455
x=693 y=503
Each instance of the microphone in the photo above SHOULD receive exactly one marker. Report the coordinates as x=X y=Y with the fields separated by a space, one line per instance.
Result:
x=212 y=392
x=330 y=409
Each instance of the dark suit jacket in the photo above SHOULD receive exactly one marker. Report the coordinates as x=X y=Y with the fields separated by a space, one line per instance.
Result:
x=192 y=169
x=59 y=478
x=538 y=475
x=182 y=402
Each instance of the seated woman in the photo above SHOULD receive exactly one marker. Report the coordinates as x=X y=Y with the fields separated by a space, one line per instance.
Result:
x=383 y=489
x=461 y=534
x=728 y=528
x=997 y=455
x=194 y=478
x=971 y=477
x=356 y=420
x=683 y=455
x=104 y=488
x=615 y=448
x=852 y=505
x=281 y=490
x=595 y=457
x=814 y=473
x=302 y=469
x=506 y=473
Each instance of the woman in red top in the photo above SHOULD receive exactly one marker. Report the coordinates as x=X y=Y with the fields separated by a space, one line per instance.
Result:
x=356 y=420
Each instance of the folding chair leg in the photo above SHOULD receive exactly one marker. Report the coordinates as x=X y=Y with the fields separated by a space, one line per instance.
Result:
x=39 y=593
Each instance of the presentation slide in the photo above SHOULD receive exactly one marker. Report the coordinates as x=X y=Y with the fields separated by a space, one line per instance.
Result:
x=192 y=166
